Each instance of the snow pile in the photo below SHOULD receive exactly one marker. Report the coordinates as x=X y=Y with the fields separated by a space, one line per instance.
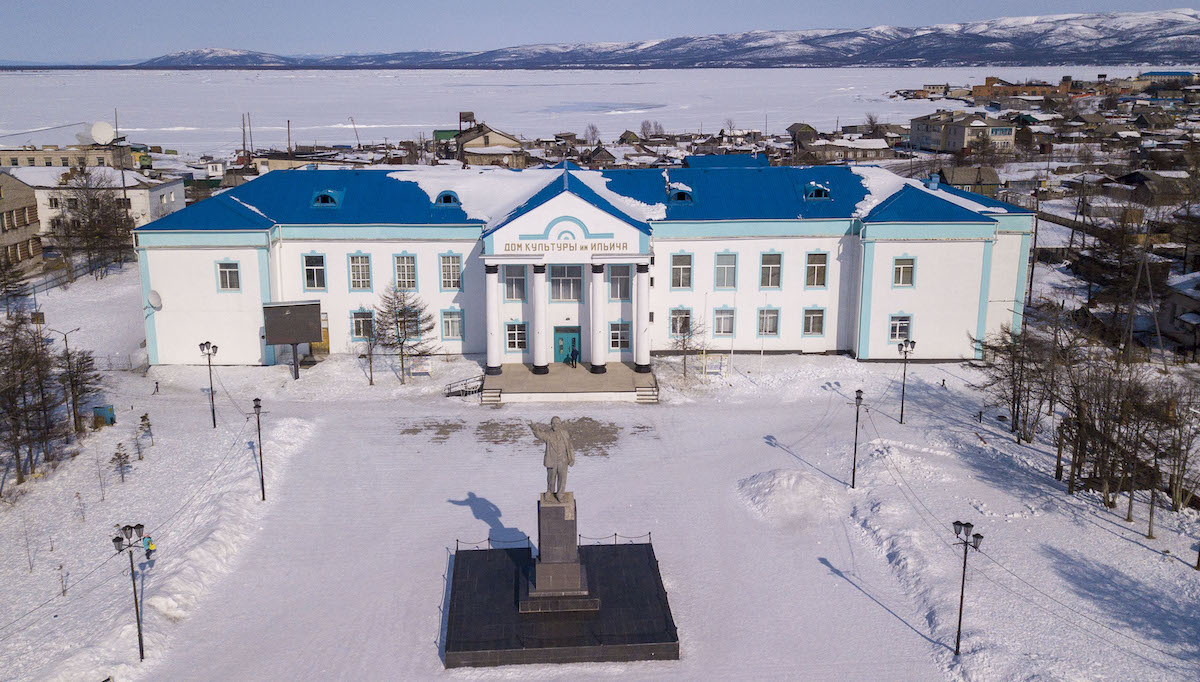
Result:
x=487 y=194
x=783 y=496
x=634 y=208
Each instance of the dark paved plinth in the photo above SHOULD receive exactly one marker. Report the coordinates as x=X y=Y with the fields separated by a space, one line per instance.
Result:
x=485 y=626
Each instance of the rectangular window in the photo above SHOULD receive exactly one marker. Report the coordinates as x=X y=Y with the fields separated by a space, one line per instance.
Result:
x=619 y=283
x=515 y=335
x=228 y=278
x=768 y=322
x=54 y=202
x=452 y=324
x=72 y=204
x=681 y=321
x=902 y=272
x=514 y=282
x=814 y=322
x=314 y=272
x=406 y=273
x=726 y=274
x=566 y=282
x=13 y=161
x=814 y=271
x=618 y=336
x=65 y=161
x=772 y=271
x=901 y=325
x=452 y=271
x=48 y=161
x=360 y=273
x=723 y=323
x=362 y=324
x=100 y=161
x=681 y=271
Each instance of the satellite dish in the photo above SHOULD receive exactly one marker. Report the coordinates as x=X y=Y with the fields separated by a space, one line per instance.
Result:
x=103 y=132
x=154 y=300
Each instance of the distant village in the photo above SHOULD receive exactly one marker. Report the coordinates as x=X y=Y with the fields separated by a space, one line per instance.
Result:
x=1090 y=155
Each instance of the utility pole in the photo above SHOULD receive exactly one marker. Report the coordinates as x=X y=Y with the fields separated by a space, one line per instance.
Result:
x=854 y=465
x=244 y=151
x=250 y=126
x=289 y=129
x=209 y=350
x=262 y=482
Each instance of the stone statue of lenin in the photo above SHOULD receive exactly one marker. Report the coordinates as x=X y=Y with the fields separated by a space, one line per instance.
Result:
x=559 y=454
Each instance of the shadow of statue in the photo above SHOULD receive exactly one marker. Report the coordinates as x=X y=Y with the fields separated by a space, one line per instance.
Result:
x=484 y=510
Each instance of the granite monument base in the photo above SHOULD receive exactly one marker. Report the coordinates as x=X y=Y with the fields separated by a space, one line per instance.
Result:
x=492 y=620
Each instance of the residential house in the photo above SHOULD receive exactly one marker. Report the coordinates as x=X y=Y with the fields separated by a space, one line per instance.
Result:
x=978 y=179
x=844 y=149
x=802 y=132
x=145 y=198
x=482 y=145
x=19 y=225
x=954 y=131
x=629 y=137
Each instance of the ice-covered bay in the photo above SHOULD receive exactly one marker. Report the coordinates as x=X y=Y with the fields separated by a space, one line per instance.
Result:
x=201 y=110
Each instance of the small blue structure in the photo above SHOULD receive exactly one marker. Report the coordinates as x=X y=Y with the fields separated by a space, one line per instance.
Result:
x=106 y=413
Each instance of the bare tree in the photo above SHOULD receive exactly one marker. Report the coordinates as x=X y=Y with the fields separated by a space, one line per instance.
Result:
x=688 y=337
x=591 y=133
x=93 y=218
x=646 y=129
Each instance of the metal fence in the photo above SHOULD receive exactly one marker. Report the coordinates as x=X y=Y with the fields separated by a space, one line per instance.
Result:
x=56 y=278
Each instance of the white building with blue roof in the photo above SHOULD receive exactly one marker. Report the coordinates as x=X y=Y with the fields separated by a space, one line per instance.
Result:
x=523 y=266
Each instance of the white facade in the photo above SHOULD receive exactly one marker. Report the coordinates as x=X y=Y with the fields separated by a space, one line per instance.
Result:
x=149 y=199
x=546 y=277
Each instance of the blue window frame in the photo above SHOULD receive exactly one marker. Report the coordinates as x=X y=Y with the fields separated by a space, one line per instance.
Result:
x=327 y=198
x=770 y=270
x=816 y=270
x=404 y=265
x=316 y=277
x=725 y=270
x=515 y=283
x=358 y=271
x=452 y=324
x=361 y=323
x=904 y=272
x=724 y=323
x=450 y=267
x=814 y=322
x=900 y=327
x=447 y=199
x=229 y=276
x=681 y=271
x=768 y=322
x=680 y=320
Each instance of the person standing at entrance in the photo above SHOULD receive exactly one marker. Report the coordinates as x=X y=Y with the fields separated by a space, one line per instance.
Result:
x=574 y=355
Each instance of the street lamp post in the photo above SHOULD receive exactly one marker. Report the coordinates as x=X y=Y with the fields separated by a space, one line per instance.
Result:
x=854 y=465
x=906 y=348
x=262 y=481
x=71 y=402
x=127 y=543
x=209 y=350
x=968 y=541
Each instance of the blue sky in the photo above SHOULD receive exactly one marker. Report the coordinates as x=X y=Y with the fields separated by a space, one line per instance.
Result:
x=76 y=32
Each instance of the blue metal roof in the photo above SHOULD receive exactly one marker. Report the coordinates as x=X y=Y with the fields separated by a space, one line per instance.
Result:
x=727 y=161
x=372 y=197
x=914 y=205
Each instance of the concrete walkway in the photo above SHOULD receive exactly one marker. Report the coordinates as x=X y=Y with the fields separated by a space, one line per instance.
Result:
x=518 y=378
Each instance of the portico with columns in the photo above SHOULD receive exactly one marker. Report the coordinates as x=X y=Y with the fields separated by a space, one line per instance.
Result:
x=567 y=279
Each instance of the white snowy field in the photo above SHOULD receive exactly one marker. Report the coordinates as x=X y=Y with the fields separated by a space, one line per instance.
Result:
x=775 y=569
x=200 y=111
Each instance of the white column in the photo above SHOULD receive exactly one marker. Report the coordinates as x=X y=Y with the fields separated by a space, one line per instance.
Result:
x=641 y=337
x=541 y=346
x=495 y=345
x=599 y=320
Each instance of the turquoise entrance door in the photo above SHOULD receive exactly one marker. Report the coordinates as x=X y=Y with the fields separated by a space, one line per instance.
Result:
x=566 y=339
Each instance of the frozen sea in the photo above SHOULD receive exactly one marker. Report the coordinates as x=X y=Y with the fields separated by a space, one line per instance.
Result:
x=200 y=111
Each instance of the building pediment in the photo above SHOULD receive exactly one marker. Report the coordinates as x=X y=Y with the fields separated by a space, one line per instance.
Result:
x=566 y=229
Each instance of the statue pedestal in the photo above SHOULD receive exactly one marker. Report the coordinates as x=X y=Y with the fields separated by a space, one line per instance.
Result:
x=558 y=572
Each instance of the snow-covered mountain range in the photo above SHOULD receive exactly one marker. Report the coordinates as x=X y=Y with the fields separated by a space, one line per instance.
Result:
x=1160 y=37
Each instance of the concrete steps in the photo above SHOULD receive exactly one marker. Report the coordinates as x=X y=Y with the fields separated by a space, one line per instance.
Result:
x=489 y=396
x=647 y=394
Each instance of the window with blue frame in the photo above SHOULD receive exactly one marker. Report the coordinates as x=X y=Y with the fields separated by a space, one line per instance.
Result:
x=228 y=277
x=814 y=269
x=725 y=276
x=723 y=322
x=362 y=324
x=902 y=272
x=452 y=324
x=406 y=272
x=619 y=283
x=314 y=271
x=681 y=271
x=451 y=271
x=681 y=321
x=360 y=272
x=771 y=275
x=814 y=322
x=514 y=282
x=768 y=322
